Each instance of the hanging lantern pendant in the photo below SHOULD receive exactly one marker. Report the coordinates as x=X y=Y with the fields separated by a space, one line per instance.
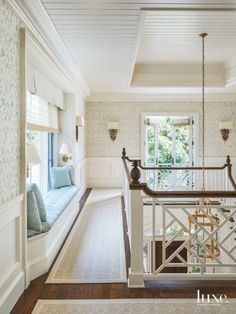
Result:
x=206 y=220
x=203 y=217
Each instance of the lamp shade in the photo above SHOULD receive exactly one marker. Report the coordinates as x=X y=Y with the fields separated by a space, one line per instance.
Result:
x=32 y=155
x=80 y=121
x=65 y=149
x=113 y=125
x=226 y=125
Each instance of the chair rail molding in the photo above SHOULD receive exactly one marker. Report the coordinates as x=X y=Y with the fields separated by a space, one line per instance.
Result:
x=153 y=96
x=42 y=31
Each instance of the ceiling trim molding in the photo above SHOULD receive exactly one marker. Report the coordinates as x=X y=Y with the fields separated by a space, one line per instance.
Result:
x=137 y=97
x=177 y=75
x=230 y=76
x=44 y=34
x=137 y=43
x=190 y=7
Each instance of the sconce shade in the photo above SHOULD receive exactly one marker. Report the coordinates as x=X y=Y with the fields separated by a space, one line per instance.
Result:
x=113 y=126
x=32 y=155
x=80 y=121
x=65 y=150
x=227 y=125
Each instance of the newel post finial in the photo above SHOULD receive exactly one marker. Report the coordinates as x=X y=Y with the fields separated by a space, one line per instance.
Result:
x=123 y=153
x=135 y=172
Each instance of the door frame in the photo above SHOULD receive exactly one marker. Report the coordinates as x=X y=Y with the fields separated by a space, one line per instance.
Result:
x=194 y=115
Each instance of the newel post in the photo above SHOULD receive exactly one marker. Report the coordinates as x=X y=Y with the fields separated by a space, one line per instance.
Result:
x=136 y=241
x=135 y=173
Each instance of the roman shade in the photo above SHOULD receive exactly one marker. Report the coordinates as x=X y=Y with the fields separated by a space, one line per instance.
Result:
x=39 y=85
x=41 y=115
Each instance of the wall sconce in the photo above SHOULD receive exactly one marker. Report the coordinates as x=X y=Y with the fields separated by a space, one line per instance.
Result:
x=113 y=128
x=65 y=150
x=79 y=123
x=225 y=128
x=32 y=157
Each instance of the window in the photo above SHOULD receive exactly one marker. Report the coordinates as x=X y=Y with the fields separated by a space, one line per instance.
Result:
x=44 y=142
x=168 y=142
x=42 y=123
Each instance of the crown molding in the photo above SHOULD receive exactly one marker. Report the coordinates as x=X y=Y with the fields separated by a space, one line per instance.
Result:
x=137 y=97
x=41 y=29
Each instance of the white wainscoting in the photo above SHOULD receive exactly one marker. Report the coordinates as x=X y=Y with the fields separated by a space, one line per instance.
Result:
x=104 y=172
x=108 y=172
x=12 y=281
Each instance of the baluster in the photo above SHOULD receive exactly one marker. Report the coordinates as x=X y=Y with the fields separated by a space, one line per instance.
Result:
x=153 y=235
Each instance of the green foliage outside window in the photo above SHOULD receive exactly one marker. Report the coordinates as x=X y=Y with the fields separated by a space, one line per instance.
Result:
x=165 y=143
x=33 y=137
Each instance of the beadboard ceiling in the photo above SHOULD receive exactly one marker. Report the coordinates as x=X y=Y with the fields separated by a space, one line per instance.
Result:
x=116 y=43
x=172 y=36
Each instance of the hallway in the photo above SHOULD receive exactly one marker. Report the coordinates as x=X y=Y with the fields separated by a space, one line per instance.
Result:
x=40 y=290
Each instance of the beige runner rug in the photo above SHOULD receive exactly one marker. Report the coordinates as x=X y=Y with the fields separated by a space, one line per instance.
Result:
x=132 y=306
x=94 y=251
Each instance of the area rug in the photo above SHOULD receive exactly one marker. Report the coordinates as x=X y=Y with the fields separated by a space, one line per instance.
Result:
x=94 y=251
x=132 y=306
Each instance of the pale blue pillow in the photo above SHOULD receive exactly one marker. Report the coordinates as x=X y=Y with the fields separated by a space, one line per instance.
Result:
x=33 y=217
x=59 y=177
x=71 y=174
x=39 y=199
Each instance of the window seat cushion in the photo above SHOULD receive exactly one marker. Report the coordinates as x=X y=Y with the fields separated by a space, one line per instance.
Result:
x=39 y=199
x=56 y=201
x=33 y=217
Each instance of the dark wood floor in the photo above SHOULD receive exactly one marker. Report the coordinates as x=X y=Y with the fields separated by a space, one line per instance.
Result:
x=162 y=289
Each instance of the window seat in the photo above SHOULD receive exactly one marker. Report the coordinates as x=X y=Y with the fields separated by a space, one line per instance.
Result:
x=62 y=207
x=55 y=202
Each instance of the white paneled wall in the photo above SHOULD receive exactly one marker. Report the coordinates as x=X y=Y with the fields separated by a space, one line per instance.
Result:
x=104 y=172
x=11 y=254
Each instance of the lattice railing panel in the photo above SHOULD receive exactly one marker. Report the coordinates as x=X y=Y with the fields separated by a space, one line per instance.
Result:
x=211 y=248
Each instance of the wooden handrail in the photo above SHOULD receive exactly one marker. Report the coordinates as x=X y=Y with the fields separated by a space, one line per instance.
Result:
x=135 y=174
x=183 y=168
x=183 y=194
x=127 y=170
x=229 y=165
x=172 y=168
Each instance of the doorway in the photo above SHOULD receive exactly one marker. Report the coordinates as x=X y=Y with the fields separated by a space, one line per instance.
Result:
x=169 y=143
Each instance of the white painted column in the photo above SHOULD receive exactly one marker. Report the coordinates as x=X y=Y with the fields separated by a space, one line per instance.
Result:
x=136 y=244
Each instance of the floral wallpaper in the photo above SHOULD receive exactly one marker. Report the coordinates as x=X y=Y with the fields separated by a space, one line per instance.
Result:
x=128 y=114
x=9 y=104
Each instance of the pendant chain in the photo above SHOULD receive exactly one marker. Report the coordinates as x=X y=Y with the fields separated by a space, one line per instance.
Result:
x=203 y=35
